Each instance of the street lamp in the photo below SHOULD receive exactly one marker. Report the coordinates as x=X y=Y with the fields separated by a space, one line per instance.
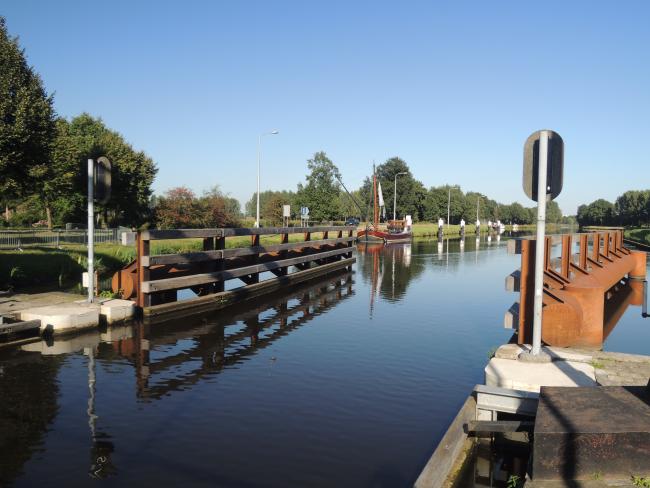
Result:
x=395 y=195
x=259 y=156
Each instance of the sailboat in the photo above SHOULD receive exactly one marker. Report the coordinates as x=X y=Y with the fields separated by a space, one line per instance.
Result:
x=396 y=231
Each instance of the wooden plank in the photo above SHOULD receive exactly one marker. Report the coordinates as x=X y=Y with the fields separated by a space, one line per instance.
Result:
x=12 y=328
x=199 y=279
x=451 y=448
x=230 y=232
x=224 y=299
x=201 y=256
x=283 y=230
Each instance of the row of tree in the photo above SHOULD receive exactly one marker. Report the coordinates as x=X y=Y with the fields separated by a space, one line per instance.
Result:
x=327 y=200
x=632 y=208
x=43 y=157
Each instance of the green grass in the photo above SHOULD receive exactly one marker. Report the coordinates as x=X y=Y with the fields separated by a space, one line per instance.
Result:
x=48 y=266
x=52 y=268
x=643 y=482
x=640 y=234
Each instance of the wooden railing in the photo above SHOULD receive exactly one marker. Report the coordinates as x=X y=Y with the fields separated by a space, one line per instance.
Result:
x=159 y=277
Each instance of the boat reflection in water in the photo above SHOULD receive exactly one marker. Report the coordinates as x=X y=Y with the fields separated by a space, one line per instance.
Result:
x=186 y=352
x=388 y=270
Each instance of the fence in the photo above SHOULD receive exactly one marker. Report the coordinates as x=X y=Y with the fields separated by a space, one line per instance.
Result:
x=155 y=279
x=19 y=239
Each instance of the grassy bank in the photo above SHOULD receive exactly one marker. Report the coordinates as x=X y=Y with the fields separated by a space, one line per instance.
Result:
x=50 y=267
x=56 y=268
x=641 y=234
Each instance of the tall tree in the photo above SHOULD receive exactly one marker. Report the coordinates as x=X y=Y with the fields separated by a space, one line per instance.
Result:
x=410 y=192
x=321 y=191
x=26 y=122
x=133 y=171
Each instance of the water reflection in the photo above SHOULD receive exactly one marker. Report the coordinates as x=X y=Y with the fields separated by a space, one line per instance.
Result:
x=219 y=341
x=28 y=405
x=388 y=269
x=186 y=352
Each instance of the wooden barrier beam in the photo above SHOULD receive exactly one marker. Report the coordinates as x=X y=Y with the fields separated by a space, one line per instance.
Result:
x=202 y=278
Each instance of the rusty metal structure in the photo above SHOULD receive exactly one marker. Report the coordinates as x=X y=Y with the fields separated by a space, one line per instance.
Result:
x=154 y=280
x=589 y=280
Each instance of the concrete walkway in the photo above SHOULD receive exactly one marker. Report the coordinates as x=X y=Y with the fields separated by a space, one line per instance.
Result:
x=13 y=303
x=578 y=366
x=61 y=312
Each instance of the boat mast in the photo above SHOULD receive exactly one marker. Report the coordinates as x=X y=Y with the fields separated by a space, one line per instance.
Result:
x=375 y=203
x=477 y=200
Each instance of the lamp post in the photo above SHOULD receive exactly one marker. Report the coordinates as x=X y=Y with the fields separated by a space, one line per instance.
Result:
x=395 y=195
x=259 y=157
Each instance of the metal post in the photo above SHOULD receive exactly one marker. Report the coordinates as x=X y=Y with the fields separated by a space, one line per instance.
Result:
x=448 y=204
x=395 y=195
x=91 y=232
x=395 y=199
x=644 y=309
x=539 y=244
x=259 y=150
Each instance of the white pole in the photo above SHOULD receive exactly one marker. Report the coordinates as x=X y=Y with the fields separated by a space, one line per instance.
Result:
x=91 y=232
x=259 y=150
x=448 y=204
x=542 y=190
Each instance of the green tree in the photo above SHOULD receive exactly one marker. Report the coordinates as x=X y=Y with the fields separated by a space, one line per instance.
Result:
x=26 y=122
x=133 y=171
x=321 y=191
x=410 y=192
x=272 y=210
x=599 y=212
x=633 y=207
x=289 y=198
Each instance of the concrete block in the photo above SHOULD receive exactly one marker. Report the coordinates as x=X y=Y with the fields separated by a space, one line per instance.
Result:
x=582 y=431
x=64 y=318
x=128 y=238
x=117 y=310
x=517 y=375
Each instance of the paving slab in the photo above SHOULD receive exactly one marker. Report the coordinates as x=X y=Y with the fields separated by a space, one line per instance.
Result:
x=13 y=303
x=517 y=375
x=64 y=318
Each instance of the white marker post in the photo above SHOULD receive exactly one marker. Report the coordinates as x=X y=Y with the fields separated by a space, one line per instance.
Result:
x=542 y=192
x=91 y=231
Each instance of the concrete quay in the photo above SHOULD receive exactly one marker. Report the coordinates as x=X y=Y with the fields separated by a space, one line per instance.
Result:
x=569 y=367
x=63 y=313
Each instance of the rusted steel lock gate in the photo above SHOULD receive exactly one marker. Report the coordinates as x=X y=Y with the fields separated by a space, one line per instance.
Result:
x=585 y=293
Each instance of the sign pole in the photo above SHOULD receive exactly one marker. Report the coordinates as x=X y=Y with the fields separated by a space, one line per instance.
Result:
x=91 y=232
x=542 y=191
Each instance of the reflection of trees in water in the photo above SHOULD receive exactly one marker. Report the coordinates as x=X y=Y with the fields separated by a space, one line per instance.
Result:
x=28 y=405
x=388 y=269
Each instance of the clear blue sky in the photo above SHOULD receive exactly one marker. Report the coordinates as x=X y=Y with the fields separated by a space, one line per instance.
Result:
x=454 y=88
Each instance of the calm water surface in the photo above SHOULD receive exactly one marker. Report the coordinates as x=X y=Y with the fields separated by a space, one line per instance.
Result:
x=348 y=381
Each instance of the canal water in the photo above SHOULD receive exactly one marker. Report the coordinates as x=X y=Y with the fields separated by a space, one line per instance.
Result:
x=347 y=381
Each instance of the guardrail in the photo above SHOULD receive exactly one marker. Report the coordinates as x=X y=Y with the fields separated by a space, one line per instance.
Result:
x=154 y=280
x=577 y=286
x=19 y=239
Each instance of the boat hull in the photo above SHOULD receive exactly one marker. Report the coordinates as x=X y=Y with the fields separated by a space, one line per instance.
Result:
x=385 y=237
